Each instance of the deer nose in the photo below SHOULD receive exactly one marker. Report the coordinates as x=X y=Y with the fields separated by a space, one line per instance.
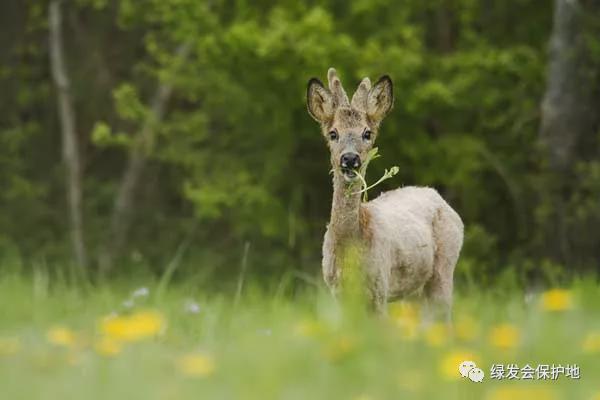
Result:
x=350 y=160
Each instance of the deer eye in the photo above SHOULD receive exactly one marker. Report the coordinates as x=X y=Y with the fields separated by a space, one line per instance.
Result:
x=333 y=135
x=367 y=135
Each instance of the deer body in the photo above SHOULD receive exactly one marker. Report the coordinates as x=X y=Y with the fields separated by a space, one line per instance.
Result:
x=409 y=238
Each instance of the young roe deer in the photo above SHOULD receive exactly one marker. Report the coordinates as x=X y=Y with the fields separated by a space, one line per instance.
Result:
x=409 y=238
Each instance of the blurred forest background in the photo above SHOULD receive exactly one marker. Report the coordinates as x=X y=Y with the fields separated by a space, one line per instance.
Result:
x=144 y=136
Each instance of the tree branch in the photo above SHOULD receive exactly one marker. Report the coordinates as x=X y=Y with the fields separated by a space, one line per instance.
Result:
x=121 y=218
x=69 y=136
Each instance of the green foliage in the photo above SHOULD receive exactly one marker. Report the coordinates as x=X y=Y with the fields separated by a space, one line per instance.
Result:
x=365 y=187
x=236 y=153
x=127 y=103
x=102 y=136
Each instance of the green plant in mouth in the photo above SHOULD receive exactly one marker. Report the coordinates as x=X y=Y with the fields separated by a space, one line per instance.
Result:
x=362 y=173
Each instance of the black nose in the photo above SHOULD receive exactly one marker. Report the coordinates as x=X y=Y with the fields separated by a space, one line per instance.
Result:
x=350 y=160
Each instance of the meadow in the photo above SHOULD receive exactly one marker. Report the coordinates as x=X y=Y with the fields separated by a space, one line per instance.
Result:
x=164 y=148
x=147 y=341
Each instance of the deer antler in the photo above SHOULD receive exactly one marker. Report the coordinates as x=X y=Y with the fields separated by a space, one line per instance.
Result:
x=359 y=100
x=335 y=86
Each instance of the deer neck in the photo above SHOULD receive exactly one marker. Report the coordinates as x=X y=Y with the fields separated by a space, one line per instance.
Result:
x=345 y=210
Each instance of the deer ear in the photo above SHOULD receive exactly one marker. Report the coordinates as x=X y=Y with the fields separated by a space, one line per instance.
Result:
x=319 y=101
x=380 y=99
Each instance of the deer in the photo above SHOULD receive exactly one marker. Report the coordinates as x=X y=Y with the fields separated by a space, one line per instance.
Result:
x=409 y=238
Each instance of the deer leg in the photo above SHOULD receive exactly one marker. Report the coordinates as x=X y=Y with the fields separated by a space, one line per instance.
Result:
x=438 y=301
x=331 y=280
x=438 y=290
x=378 y=294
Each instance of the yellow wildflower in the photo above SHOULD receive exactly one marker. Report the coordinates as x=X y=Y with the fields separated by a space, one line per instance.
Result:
x=521 y=393
x=591 y=343
x=339 y=348
x=107 y=347
x=406 y=317
x=595 y=396
x=308 y=328
x=504 y=336
x=132 y=328
x=9 y=346
x=448 y=367
x=197 y=365
x=557 y=300
x=403 y=310
x=61 y=336
x=466 y=328
x=437 y=335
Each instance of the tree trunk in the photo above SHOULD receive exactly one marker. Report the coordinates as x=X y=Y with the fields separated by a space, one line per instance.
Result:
x=121 y=218
x=444 y=21
x=566 y=116
x=565 y=107
x=69 y=136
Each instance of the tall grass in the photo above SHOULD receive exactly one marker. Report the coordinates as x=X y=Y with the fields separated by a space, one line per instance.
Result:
x=276 y=346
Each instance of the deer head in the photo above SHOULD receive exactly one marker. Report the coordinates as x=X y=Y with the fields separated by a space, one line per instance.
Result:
x=350 y=127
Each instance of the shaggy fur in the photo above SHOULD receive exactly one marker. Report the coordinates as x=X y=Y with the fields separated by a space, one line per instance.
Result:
x=410 y=237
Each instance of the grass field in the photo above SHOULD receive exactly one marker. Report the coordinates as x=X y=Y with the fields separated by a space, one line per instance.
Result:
x=137 y=342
